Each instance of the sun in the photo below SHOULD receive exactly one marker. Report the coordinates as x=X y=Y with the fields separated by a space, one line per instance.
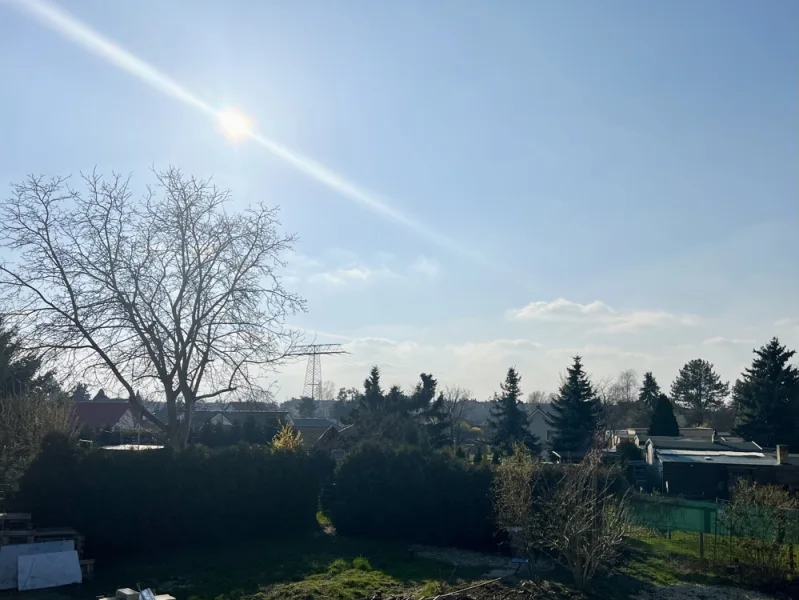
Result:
x=234 y=124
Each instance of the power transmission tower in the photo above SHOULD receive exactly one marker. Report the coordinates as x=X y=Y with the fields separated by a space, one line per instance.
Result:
x=313 y=372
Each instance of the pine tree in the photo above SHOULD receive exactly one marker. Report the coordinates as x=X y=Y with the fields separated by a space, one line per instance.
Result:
x=575 y=411
x=307 y=407
x=698 y=390
x=372 y=399
x=430 y=411
x=19 y=370
x=650 y=393
x=767 y=398
x=80 y=393
x=663 y=421
x=508 y=422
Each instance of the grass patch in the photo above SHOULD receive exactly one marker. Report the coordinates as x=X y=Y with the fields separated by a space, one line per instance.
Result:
x=329 y=567
x=320 y=567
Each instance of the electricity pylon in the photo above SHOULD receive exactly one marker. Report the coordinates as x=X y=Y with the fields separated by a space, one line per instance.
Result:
x=313 y=372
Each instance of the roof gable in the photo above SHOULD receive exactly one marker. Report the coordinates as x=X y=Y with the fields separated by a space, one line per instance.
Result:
x=98 y=415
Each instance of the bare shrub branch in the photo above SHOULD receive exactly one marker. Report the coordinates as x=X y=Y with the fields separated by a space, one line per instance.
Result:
x=25 y=420
x=570 y=512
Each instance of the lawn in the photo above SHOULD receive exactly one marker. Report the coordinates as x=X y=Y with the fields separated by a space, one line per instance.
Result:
x=322 y=566
x=328 y=567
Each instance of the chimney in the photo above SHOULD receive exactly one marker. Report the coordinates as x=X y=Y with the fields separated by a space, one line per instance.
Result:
x=782 y=453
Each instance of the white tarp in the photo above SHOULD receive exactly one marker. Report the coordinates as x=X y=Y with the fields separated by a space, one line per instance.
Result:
x=10 y=553
x=36 y=571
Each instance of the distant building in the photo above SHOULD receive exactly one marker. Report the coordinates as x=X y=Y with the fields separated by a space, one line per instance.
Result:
x=702 y=467
x=313 y=430
x=103 y=415
x=537 y=418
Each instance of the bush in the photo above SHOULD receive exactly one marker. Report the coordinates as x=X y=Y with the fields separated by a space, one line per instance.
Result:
x=414 y=495
x=25 y=420
x=764 y=518
x=123 y=501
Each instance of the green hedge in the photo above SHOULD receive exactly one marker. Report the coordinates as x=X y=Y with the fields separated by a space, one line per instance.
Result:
x=414 y=495
x=125 y=501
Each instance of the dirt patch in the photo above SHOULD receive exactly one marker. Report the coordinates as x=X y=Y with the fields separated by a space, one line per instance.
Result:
x=462 y=558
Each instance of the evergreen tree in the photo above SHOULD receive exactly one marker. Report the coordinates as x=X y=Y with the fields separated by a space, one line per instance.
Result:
x=430 y=410
x=508 y=422
x=372 y=398
x=663 y=420
x=395 y=401
x=575 y=411
x=80 y=393
x=19 y=370
x=649 y=394
x=698 y=390
x=307 y=407
x=346 y=401
x=767 y=398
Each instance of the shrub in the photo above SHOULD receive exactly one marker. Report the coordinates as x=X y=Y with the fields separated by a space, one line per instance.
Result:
x=570 y=512
x=123 y=501
x=414 y=495
x=763 y=518
x=361 y=563
x=25 y=420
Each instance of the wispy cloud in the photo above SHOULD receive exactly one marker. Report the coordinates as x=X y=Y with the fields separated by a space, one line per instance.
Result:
x=83 y=35
x=343 y=276
x=599 y=316
x=724 y=341
x=425 y=266
x=789 y=323
x=340 y=268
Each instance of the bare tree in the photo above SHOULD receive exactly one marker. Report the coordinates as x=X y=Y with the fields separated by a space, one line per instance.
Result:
x=569 y=512
x=25 y=420
x=626 y=387
x=538 y=397
x=619 y=399
x=328 y=391
x=169 y=294
x=455 y=399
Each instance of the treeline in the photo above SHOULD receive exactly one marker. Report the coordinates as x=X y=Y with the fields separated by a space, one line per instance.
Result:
x=764 y=406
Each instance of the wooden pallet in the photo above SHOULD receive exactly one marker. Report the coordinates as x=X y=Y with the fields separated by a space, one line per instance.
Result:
x=15 y=521
x=31 y=536
x=87 y=568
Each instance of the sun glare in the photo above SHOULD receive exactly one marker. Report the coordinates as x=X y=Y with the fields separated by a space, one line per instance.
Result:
x=234 y=124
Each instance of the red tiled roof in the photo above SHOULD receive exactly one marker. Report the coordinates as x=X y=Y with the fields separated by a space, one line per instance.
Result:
x=99 y=415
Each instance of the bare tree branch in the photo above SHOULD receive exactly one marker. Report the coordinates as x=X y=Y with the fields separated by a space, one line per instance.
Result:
x=169 y=294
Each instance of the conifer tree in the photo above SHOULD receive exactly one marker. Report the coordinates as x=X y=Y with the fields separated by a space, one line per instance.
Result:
x=650 y=393
x=698 y=390
x=508 y=422
x=575 y=411
x=767 y=398
x=663 y=421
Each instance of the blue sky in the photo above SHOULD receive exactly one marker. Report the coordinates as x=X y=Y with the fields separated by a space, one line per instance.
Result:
x=619 y=179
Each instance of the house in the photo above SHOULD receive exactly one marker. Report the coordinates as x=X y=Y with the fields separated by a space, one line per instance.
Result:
x=537 y=419
x=707 y=467
x=103 y=415
x=313 y=430
x=615 y=436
